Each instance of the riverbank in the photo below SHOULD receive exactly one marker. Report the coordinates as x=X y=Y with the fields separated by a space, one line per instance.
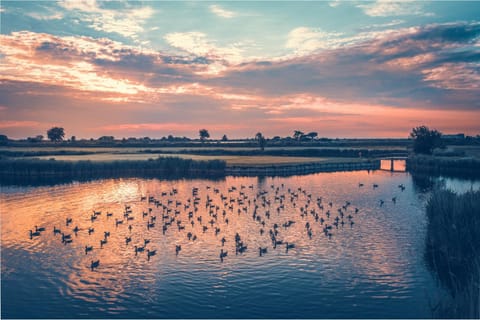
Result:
x=24 y=169
x=443 y=165
x=302 y=168
x=44 y=170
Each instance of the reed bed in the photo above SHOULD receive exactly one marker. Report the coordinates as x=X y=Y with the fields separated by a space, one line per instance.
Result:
x=453 y=251
x=163 y=166
x=443 y=165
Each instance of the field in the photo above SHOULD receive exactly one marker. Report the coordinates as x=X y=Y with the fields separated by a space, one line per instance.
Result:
x=230 y=160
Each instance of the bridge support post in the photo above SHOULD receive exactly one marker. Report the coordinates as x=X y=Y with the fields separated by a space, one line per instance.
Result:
x=391 y=165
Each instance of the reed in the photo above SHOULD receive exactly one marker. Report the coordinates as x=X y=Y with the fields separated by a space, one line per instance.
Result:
x=453 y=251
x=443 y=165
x=163 y=166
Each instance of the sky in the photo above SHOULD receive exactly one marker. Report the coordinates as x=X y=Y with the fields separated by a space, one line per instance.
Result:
x=344 y=69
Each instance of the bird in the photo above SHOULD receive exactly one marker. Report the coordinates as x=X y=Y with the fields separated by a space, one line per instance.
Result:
x=34 y=234
x=139 y=249
x=94 y=264
x=289 y=246
x=151 y=253
x=223 y=254
x=262 y=251
x=177 y=249
x=55 y=230
x=88 y=248
x=39 y=229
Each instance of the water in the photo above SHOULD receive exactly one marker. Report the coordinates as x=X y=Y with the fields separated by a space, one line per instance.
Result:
x=373 y=269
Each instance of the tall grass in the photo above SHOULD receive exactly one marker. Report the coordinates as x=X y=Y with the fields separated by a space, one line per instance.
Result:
x=443 y=165
x=453 y=251
x=164 y=166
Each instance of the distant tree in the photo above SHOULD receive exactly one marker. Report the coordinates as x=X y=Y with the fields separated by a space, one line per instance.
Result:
x=224 y=138
x=297 y=135
x=425 y=140
x=203 y=134
x=311 y=135
x=261 y=140
x=170 y=137
x=73 y=139
x=3 y=139
x=106 y=138
x=56 y=134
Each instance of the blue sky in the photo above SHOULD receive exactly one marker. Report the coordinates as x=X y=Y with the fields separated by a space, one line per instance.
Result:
x=341 y=68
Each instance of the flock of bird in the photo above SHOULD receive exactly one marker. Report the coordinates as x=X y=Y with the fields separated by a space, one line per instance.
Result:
x=212 y=214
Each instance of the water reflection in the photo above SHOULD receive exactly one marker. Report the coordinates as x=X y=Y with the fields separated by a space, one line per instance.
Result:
x=373 y=267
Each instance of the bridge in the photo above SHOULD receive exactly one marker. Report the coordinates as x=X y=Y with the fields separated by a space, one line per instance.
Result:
x=392 y=159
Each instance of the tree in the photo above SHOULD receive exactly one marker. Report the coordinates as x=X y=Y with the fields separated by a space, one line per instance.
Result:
x=106 y=139
x=224 y=138
x=261 y=140
x=311 y=135
x=3 y=139
x=297 y=135
x=73 y=139
x=204 y=134
x=425 y=140
x=56 y=134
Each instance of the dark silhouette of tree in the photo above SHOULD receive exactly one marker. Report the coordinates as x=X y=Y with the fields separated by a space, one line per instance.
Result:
x=3 y=139
x=261 y=140
x=73 y=139
x=311 y=135
x=204 y=134
x=56 y=134
x=297 y=135
x=224 y=138
x=425 y=140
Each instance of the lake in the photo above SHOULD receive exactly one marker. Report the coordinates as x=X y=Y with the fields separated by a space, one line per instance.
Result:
x=371 y=266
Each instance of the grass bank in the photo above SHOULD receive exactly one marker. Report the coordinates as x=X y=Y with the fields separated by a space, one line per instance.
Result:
x=453 y=251
x=444 y=165
x=167 y=166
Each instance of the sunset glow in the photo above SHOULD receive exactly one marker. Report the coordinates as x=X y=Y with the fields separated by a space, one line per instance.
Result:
x=342 y=69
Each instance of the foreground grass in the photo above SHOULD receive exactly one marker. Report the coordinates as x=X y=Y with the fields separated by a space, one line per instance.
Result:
x=453 y=251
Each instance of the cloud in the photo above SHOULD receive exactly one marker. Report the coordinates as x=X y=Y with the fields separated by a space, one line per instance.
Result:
x=53 y=16
x=305 y=40
x=335 y=3
x=126 y=21
x=199 y=44
x=454 y=76
x=17 y=124
x=221 y=12
x=386 y=8
x=366 y=82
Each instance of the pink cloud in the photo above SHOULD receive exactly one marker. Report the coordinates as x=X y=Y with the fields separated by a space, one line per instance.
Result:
x=18 y=124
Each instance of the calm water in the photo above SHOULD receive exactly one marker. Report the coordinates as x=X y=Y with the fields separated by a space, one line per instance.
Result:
x=371 y=269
